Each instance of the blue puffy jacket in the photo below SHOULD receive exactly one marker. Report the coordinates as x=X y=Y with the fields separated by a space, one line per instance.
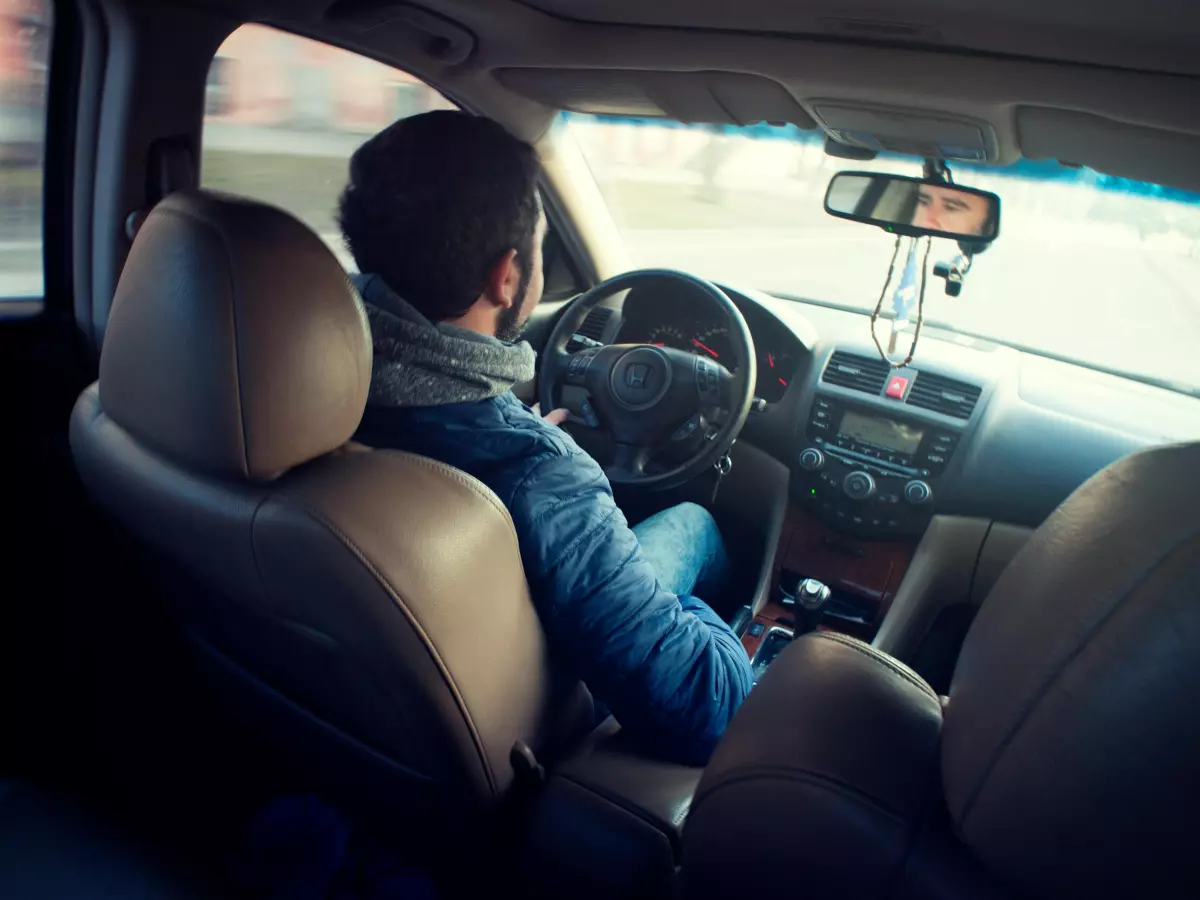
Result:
x=667 y=667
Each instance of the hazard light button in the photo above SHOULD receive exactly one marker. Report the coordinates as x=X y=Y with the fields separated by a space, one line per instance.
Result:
x=896 y=387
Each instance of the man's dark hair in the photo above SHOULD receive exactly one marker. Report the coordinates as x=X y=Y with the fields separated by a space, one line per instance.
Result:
x=434 y=201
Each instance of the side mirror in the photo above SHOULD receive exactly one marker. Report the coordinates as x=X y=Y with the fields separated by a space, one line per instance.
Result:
x=914 y=206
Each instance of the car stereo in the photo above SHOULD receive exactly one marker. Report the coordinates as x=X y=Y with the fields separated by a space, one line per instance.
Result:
x=874 y=436
x=869 y=472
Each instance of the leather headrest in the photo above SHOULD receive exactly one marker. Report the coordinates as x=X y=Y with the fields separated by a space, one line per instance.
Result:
x=236 y=344
x=1071 y=740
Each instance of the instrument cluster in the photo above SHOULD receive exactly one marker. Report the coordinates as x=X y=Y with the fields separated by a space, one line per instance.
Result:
x=673 y=320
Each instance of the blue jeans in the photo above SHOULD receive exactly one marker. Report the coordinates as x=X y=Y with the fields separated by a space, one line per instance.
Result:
x=685 y=548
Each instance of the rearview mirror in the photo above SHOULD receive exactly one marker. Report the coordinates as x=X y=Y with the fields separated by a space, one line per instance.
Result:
x=914 y=206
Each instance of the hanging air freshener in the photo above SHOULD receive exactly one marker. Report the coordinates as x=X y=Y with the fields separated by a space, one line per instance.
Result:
x=910 y=290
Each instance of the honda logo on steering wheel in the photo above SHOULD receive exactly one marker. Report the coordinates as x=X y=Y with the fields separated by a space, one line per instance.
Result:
x=637 y=377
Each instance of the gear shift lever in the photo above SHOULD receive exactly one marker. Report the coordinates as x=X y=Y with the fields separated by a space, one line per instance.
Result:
x=811 y=597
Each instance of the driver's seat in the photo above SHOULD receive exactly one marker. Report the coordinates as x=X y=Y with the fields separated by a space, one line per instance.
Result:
x=368 y=609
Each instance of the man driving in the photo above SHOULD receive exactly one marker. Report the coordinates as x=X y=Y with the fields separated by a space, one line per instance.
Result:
x=443 y=217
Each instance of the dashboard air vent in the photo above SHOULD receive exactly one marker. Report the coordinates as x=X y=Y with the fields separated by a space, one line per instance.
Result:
x=944 y=395
x=859 y=373
x=593 y=326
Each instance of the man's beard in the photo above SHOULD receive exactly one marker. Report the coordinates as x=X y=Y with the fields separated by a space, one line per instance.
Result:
x=508 y=325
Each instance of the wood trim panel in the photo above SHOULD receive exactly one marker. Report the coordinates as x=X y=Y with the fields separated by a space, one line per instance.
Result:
x=869 y=569
x=772 y=615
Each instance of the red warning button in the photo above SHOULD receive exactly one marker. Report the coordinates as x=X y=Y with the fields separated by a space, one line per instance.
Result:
x=896 y=387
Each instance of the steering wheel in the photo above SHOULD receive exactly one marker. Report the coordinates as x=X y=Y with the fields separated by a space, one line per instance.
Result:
x=646 y=396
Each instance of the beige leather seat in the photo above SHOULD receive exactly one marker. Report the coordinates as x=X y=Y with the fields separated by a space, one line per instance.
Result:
x=366 y=609
x=1065 y=762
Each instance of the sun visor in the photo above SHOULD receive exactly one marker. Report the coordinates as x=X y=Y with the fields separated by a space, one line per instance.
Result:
x=909 y=131
x=724 y=98
x=1115 y=148
x=596 y=92
x=404 y=27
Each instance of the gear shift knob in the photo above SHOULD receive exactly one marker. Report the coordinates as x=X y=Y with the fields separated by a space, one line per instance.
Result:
x=811 y=597
x=812 y=594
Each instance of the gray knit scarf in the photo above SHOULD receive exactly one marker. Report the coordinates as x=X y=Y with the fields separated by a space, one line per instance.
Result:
x=419 y=363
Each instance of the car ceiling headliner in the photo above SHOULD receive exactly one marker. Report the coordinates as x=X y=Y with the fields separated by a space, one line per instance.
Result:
x=1108 y=84
x=1162 y=35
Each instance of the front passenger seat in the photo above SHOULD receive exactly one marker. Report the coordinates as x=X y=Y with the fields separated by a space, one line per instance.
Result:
x=367 y=609
x=1064 y=763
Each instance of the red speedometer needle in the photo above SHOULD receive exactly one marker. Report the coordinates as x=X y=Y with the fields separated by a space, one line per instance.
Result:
x=709 y=350
x=771 y=360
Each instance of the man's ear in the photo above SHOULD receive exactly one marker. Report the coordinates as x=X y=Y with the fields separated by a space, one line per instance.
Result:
x=503 y=281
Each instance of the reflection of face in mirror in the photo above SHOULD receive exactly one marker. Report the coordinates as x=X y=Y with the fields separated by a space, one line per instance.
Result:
x=914 y=205
x=947 y=209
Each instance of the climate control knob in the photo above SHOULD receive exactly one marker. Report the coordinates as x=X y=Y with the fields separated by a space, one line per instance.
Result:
x=858 y=485
x=917 y=492
x=812 y=459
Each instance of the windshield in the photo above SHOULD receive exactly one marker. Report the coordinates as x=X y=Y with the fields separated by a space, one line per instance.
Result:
x=1099 y=270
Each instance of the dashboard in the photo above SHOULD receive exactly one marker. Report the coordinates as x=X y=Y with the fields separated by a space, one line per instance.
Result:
x=677 y=317
x=971 y=428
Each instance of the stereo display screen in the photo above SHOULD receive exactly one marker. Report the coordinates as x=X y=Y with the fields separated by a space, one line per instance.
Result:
x=880 y=432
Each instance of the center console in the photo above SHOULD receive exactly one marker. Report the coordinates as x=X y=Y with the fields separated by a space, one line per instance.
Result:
x=874 y=452
x=868 y=472
x=824 y=580
x=623 y=806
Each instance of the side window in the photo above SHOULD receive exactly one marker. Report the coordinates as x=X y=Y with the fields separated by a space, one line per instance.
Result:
x=25 y=29
x=283 y=114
